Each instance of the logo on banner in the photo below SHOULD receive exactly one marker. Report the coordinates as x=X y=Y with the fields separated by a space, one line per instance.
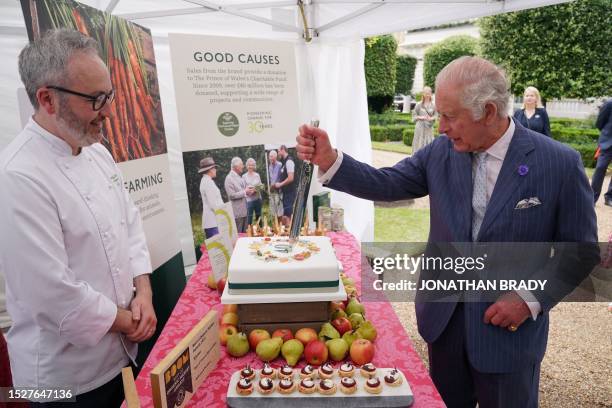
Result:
x=228 y=124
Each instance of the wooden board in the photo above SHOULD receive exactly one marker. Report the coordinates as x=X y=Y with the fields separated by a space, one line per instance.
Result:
x=270 y=327
x=283 y=312
x=390 y=397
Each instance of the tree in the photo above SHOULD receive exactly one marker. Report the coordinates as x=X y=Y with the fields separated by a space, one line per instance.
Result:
x=440 y=54
x=404 y=74
x=563 y=50
x=380 y=70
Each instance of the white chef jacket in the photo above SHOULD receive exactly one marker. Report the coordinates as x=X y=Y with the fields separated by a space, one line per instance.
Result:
x=211 y=200
x=71 y=244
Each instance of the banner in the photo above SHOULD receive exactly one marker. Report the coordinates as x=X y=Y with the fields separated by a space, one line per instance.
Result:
x=236 y=98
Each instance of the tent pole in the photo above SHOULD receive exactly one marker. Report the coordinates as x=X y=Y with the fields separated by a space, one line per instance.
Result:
x=111 y=6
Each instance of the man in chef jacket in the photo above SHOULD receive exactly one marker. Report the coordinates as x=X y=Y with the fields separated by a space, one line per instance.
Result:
x=72 y=248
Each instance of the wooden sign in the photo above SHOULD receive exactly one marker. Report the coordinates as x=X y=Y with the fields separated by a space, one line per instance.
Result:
x=178 y=376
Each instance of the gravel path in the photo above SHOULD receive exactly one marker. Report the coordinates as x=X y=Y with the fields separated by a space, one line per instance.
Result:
x=576 y=371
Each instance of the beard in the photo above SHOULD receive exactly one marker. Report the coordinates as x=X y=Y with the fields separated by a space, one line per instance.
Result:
x=82 y=133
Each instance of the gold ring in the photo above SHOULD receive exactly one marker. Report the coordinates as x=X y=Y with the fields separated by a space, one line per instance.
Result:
x=512 y=328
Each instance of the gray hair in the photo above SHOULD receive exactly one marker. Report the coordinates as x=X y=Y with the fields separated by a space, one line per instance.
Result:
x=45 y=61
x=236 y=161
x=252 y=161
x=273 y=153
x=481 y=82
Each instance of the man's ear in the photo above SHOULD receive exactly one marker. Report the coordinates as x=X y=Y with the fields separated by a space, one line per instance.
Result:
x=47 y=100
x=490 y=113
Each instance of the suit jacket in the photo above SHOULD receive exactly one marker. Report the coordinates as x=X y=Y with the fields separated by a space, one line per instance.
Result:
x=234 y=187
x=555 y=175
x=604 y=124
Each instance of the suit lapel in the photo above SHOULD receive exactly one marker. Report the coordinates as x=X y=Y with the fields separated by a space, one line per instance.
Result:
x=461 y=203
x=509 y=179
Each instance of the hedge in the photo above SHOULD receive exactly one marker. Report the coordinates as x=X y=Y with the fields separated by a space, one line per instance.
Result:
x=408 y=136
x=440 y=54
x=391 y=118
x=405 y=74
x=574 y=135
x=380 y=65
x=587 y=152
x=392 y=133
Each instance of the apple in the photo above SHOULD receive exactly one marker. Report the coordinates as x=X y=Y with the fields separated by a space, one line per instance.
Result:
x=333 y=306
x=337 y=313
x=316 y=352
x=221 y=285
x=342 y=324
x=212 y=283
x=362 y=351
x=230 y=318
x=230 y=309
x=285 y=334
x=257 y=335
x=225 y=331
x=306 y=335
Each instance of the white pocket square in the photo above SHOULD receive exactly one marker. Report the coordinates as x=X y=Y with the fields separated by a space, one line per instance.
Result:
x=527 y=203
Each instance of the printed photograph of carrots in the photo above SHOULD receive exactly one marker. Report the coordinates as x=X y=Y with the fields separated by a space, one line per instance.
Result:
x=136 y=128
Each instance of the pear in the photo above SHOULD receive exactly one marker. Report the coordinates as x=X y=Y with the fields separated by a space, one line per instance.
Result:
x=237 y=345
x=348 y=281
x=338 y=313
x=269 y=349
x=356 y=320
x=351 y=336
x=353 y=306
x=292 y=351
x=337 y=349
x=367 y=330
x=328 y=332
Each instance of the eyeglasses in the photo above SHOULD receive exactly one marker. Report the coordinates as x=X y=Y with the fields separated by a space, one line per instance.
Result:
x=97 y=101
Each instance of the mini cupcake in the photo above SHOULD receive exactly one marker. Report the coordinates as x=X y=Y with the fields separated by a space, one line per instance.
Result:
x=327 y=387
x=348 y=385
x=346 y=370
x=285 y=386
x=368 y=370
x=244 y=386
x=265 y=385
x=373 y=385
x=307 y=386
x=285 y=373
x=268 y=372
x=247 y=372
x=326 y=371
x=393 y=378
x=307 y=372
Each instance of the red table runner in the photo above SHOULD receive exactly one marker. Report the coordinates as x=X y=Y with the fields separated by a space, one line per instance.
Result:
x=393 y=346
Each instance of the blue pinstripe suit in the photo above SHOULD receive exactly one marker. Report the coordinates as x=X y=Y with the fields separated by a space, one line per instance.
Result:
x=555 y=175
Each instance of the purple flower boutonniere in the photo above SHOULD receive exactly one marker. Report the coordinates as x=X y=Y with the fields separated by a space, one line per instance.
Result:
x=523 y=170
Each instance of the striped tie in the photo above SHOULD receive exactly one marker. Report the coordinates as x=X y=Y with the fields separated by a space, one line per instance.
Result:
x=479 y=195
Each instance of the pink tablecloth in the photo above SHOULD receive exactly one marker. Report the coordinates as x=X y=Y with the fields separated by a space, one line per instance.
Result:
x=393 y=347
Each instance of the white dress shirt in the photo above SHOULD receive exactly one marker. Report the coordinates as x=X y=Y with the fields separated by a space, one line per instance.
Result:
x=495 y=159
x=211 y=200
x=71 y=245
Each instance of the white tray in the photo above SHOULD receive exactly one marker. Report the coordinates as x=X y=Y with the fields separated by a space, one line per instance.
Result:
x=227 y=298
x=400 y=396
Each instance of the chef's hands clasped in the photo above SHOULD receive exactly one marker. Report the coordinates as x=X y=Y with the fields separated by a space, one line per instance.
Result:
x=313 y=145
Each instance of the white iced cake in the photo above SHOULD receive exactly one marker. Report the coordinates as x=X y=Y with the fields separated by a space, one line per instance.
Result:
x=274 y=265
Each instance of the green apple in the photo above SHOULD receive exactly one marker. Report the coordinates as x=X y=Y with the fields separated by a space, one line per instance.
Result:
x=269 y=349
x=237 y=345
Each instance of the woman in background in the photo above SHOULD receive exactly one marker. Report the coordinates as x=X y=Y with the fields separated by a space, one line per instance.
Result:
x=254 y=200
x=424 y=115
x=533 y=115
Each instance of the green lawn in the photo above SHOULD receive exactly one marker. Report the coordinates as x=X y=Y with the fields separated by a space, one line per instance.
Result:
x=401 y=224
x=392 y=147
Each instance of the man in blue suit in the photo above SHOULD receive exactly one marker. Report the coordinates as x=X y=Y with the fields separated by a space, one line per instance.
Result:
x=604 y=124
x=488 y=180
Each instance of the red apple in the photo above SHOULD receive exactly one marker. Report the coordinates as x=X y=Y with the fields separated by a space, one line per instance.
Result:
x=221 y=285
x=212 y=283
x=257 y=335
x=306 y=335
x=230 y=308
x=333 y=306
x=362 y=351
x=230 y=318
x=316 y=352
x=285 y=334
x=342 y=324
x=225 y=331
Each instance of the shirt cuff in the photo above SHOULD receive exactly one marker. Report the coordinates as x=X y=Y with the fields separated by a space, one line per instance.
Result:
x=326 y=177
x=532 y=303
